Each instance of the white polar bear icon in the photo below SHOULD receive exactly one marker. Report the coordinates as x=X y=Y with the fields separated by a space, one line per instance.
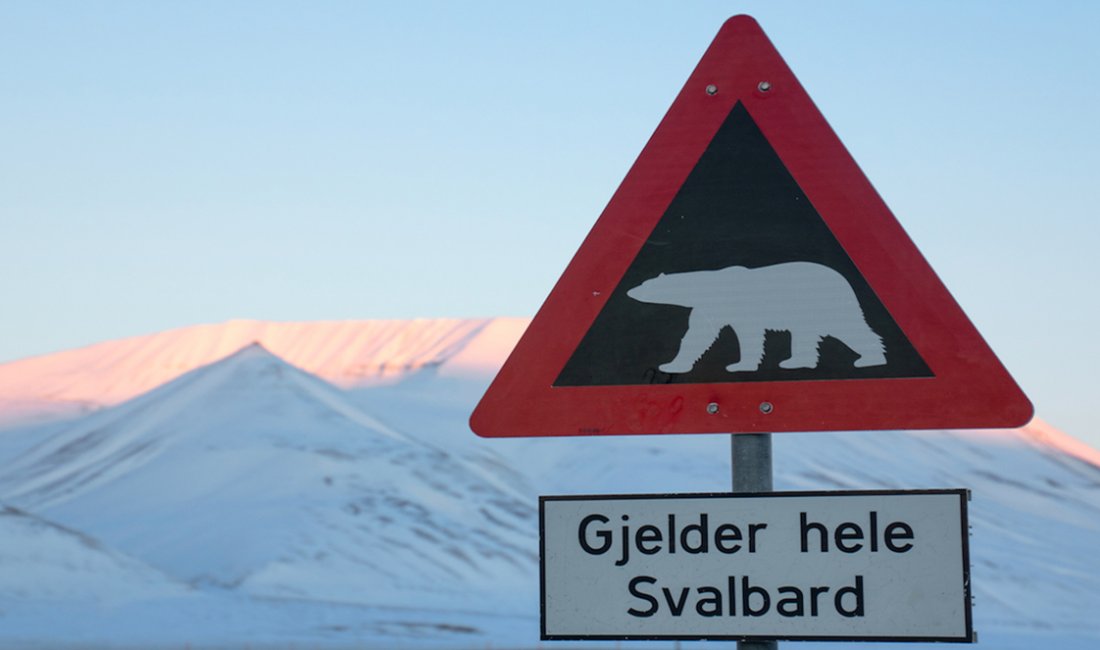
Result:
x=808 y=300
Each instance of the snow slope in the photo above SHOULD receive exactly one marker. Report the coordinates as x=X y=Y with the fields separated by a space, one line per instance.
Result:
x=251 y=500
x=48 y=562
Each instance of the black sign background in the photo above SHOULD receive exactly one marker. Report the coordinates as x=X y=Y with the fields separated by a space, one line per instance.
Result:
x=738 y=207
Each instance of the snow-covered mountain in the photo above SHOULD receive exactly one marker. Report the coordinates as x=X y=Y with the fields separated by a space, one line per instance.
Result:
x=252 y=474
x=317 y=483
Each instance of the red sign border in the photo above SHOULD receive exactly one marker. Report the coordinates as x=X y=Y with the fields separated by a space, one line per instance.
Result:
x=970 y=389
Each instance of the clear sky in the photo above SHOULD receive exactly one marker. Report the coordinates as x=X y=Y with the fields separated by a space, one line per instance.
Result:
x=166 y=164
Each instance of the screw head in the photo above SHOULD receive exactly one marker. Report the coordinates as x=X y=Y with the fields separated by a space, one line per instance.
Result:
x=712 y=89
x=712 y=408
x=764 y=86
x=766 y=407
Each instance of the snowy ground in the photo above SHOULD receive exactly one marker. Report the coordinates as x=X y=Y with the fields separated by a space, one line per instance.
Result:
x=252 y=504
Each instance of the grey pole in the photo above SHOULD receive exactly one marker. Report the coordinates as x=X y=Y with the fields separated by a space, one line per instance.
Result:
x=751 y=456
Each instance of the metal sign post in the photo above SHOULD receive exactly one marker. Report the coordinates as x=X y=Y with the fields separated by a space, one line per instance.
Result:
x=751 y=463
x=751 y=456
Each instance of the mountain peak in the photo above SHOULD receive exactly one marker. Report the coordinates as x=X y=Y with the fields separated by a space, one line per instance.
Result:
x=253 y=347
x=252 y=354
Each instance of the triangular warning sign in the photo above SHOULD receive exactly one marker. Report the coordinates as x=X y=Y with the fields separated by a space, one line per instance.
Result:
x=746 y=277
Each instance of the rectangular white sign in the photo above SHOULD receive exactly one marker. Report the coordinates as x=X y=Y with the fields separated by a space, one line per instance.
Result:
x=871 y=565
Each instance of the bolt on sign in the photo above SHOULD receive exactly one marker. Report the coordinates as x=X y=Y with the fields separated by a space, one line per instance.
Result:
x=746 y=277
x=830 y=566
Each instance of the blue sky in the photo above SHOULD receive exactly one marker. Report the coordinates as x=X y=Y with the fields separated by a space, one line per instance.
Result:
x=166 y=164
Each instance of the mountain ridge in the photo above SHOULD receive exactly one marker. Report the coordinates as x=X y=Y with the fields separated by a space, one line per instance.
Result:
x=346 y=353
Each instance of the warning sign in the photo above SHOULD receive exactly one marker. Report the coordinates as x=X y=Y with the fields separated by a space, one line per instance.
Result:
x=746 y=277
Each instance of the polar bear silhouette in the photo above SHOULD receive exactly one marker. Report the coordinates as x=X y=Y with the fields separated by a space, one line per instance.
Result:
x=808 y=300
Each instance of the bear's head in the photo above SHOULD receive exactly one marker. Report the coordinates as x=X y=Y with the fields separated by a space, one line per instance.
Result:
x=688 y=289
x=665 y=289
